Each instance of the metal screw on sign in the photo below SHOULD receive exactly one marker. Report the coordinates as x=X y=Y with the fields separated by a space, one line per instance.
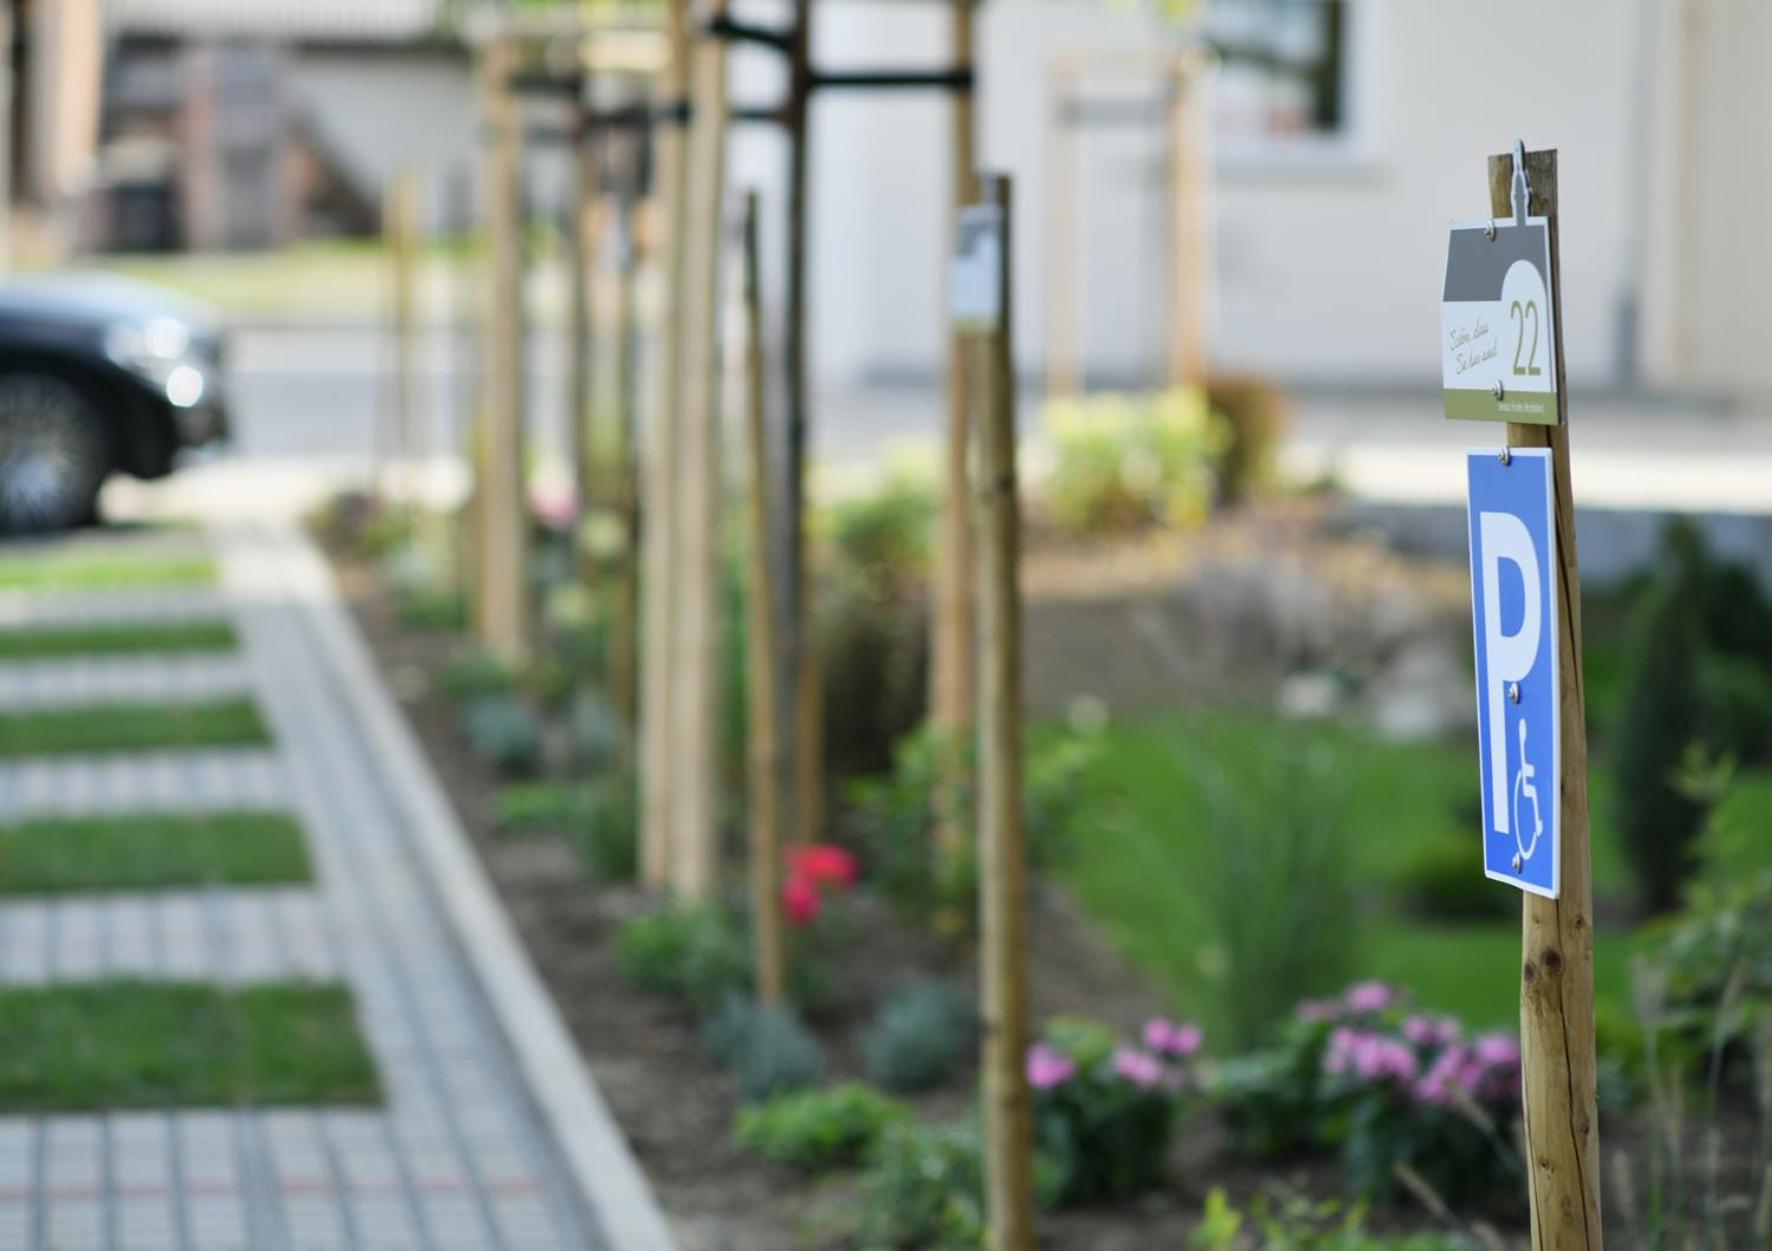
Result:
x=1507 y=456
x=1496 y=389
x=1513 y=692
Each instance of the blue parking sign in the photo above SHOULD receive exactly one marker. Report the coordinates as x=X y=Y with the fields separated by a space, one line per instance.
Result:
x=1513 y=541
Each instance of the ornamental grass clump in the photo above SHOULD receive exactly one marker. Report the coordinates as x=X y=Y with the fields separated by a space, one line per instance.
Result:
x=1105 y=1109
x=1408 y=1099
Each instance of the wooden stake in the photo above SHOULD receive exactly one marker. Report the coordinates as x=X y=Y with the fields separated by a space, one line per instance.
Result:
x=1002 y=843
x=696 y=664
x=502 y=547
x=622 y=639
x=1190 y=171
x=581 y=253
x=952 y=646
x=400 y=231
x=1557 y=972
x=764 y=651
x=658 y=535
x=800 y=691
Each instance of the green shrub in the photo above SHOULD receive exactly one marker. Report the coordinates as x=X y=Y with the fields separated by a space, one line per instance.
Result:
x=1390 y=1090
x=1255 y=420
x=1278 y=889
x=595 y=734
x=1662 y=717
x=891 y=822
x=874 y=653
x=1737 y=693
x=504 y=732
x=438 y=608
x=1293 y=1222
x=475 y=672
x=1713 y=970
x=599 y=818
x=695 y=953
x=924 y=1189
x=766 y=1048
x=818 y=1130
x=922 y=1035
x=1122 y=462
x=1443 y=881
x=884 y=537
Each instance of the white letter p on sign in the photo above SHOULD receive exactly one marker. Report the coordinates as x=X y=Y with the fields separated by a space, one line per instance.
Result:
x=1504 y=537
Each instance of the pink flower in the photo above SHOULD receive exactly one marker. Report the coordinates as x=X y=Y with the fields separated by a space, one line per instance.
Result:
x=1497 y=1051
x=823 y=864
x=1371 y=1057
x=1314 y=1010
x=1139 y=1067
x=1427 y=1031
x=1369 y=997
x=800 y=900
x=1169 y=1038
x=1048 y=1067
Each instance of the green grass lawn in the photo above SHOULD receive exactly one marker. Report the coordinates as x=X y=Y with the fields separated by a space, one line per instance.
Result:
x=1142 y=850
x=127 y=638
x=151 y=851
x=139 y=1044
x=131 y=727
x=78 y=570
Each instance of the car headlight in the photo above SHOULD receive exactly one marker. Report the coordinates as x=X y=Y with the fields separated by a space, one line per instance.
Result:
x=151 y=348
x=157 y=351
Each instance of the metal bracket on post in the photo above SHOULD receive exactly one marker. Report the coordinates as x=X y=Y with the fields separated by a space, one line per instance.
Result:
x=1522 y=186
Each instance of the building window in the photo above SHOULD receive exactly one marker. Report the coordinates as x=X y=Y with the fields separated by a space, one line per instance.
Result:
x=1282 y=68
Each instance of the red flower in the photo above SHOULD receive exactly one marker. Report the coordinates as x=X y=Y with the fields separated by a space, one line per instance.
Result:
x=823 y=864
x=800 y=900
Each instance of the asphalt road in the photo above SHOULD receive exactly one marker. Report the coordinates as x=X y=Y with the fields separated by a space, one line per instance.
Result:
x=313 y=404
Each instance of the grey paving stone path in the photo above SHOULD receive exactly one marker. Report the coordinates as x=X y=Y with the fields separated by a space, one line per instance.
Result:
x=121 y=679
x=460 y=1156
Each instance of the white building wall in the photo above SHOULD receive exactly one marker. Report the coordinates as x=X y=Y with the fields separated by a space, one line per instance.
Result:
x=1330 y=255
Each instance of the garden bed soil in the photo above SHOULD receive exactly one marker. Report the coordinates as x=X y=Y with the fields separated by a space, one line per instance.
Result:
x=645 y=1051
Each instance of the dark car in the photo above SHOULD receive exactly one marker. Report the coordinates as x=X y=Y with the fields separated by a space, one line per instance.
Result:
x=98 y=375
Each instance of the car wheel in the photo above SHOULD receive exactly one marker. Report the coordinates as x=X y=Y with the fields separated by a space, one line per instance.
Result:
x=53 y=453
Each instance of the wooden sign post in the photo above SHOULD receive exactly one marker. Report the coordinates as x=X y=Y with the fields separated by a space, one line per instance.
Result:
x=1557 y=970
x=981 y=308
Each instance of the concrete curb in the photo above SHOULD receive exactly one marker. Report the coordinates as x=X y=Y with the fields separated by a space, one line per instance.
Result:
x=596 y=1155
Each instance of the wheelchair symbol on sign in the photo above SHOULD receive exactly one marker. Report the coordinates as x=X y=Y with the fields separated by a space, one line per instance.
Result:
x=1524 y=788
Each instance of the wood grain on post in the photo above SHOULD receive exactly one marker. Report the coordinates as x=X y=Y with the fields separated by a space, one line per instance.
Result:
x=763 y=650
x=953 y=645
x=658 y=500
x=695 y=716
x=502 y=547
x=1002 y=843
x=1557 y=971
